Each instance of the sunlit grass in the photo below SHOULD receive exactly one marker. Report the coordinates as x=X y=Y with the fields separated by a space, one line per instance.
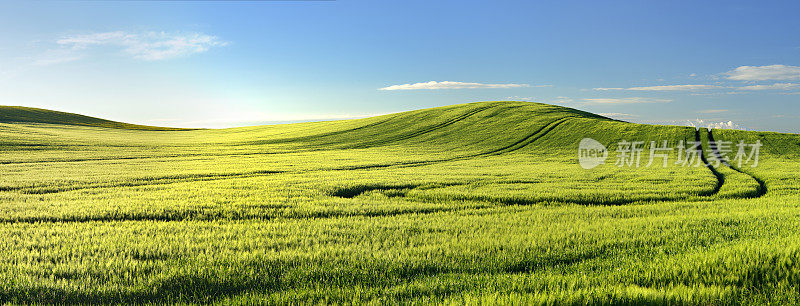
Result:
x=473 y=203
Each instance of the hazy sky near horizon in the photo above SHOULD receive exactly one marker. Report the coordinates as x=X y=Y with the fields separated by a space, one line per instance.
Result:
x=233 y=63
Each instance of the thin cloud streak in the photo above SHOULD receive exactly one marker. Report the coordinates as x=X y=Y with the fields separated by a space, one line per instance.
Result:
x=631 y=100
x=674 y=87
x=776 y=86
x=453 y=85
x=147 y=46
x=712 y=111
x=764 y=73
x=518 y=98
x=619 y=116
x=662 y=88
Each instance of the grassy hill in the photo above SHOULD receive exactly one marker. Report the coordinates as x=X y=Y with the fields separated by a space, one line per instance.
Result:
x=19 y=114
x=472 y=203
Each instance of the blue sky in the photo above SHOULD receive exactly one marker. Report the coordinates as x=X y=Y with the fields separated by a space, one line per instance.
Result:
x=217 y=63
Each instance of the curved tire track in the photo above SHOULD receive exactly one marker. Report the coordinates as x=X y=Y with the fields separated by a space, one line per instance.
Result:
x=136 y=182
x=525 y=141
x=541 y=132
x=427 y=129
x=530 y=138
x=701 y=152
x=762 y=186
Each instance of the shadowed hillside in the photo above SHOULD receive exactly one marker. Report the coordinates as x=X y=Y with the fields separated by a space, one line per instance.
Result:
x=11 y=114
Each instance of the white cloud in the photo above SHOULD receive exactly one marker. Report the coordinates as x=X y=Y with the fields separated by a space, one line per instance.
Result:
x=621 y=116
x=518 y=98
x=562 y=100
x=764 y=73
x=776 y=86
x=84 y=40
x=712 y=111
x=56 y=56
x=674 y=87
x=453 y=85
x=663 y=88
x=632 y=100
x=149 y=46
x=701 y=94
x=724 y=125
x=729 y=125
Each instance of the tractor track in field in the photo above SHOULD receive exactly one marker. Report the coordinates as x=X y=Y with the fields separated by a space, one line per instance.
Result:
x=506 y=149
x=544 y=130
x=202 y=155
x=720 y=178
x=137 y=182
x=374 y=124
x=517 y=145
x=525 y=141
x=530 y=138
x=430 y=128
x=233 y=216
x=354 y=191
x=173 y=216
x=762 y=186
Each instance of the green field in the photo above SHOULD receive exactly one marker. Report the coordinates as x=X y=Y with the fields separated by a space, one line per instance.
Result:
x=472 y=203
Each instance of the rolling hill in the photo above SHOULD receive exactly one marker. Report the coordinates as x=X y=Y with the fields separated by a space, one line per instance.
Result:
x=20 y=114
x=471 y=203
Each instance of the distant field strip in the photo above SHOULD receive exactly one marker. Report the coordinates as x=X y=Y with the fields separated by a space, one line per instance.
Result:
x=541 y=131
x=142 y=181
